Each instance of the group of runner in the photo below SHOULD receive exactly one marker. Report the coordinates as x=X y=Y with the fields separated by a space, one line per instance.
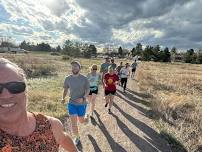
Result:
x=85 y=88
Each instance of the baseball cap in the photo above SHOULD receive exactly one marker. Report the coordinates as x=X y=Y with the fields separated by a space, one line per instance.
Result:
x=76 y=62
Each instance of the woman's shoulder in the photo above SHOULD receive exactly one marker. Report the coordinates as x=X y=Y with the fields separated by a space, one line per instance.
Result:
x=41 y=118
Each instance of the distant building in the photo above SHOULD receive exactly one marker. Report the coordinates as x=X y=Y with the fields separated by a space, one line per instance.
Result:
x=12 y=50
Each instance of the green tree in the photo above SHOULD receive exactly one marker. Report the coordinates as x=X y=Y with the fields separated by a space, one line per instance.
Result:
x=156 y=53
x=199 y=57
x=133 y=52
x=138 y=49
x=70 y=49
x=188 y=56
x=93 y=50
x=166 y=55
x=58 y=48
x=120 y=51
x=43 y=47
x=147 y=53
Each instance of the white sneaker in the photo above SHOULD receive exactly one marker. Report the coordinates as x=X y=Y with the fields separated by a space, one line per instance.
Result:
x=92 y=114
x=87 y=119
x=76 y=141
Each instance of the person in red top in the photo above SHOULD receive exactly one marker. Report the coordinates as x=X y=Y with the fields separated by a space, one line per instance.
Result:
x=110 y=81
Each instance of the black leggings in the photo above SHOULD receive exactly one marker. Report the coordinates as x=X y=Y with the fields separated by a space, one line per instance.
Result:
x=124 y=82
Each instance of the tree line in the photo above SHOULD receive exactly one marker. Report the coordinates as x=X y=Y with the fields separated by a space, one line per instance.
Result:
x=148 y=53
x=156 y=53
x=70 y=48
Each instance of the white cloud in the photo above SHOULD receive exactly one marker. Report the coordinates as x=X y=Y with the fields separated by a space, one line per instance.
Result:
x=116 y=22
x=136 y=32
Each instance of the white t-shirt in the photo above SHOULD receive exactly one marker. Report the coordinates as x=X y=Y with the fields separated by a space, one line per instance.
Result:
x=135 y=58
x=124 y=72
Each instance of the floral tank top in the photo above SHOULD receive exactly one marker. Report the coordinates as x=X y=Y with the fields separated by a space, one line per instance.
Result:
x=41 y=140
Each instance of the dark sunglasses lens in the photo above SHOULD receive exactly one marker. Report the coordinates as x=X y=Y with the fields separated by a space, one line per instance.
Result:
x=1 y=88
x=16 y=87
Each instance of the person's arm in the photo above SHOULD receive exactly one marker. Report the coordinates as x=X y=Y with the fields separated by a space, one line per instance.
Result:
x=62 y=138
x=64 y=94
x=129 y=72
x=117 y=80
x=87 y=89
x=99 y=79
x=65 y=91
x=104 y=82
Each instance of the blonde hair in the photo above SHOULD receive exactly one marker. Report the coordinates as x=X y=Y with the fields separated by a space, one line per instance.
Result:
x=15 y=67
x=110 y=68
x=93 y=66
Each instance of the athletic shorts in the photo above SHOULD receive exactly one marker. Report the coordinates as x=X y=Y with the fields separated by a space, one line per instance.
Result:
x=76 y=110
x=107 y=92
x=133 y=70
x=94 y=91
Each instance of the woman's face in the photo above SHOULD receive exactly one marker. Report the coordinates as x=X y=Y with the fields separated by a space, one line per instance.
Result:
x=111 y=70
x=94 y=69
x=12 y=104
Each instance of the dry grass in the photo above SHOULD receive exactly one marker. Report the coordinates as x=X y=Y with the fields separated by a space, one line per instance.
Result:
x=177 y=96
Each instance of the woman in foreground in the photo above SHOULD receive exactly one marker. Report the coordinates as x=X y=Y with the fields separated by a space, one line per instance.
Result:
x=21 y=130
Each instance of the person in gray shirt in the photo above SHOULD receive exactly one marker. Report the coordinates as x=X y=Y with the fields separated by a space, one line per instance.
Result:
x=78 y=86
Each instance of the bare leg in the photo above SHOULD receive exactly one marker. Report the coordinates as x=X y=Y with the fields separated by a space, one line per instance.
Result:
x=74 y=126
x=90 y=101
x=111 y=99
x=83 y=120
x=92 y=108
x=107 y=100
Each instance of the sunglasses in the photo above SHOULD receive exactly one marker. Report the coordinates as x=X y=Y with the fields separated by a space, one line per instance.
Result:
x=13 y=87
x=94 y=69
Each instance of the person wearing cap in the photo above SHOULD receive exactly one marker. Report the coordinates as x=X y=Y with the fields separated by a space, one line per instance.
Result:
x=124 y=73
x=78 y=86
x=20 y=129
x=94 y=79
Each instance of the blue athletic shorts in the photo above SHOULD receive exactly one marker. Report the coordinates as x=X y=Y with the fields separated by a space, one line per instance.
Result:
x=77 y=110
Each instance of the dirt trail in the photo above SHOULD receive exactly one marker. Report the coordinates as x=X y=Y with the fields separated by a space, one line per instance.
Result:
x=128 y=129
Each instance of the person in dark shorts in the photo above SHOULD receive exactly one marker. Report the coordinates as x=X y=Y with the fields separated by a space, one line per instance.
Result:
x=110 y=81
x=94 y=80
x=125 y=73
x=134 y=67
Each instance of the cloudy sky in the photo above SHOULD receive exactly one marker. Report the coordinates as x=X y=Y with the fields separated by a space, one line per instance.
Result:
x=104 y=22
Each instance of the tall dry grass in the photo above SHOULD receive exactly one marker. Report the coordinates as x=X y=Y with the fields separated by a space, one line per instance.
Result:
x=176 y=91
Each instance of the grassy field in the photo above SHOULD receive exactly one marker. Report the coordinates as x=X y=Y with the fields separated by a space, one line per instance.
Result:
x=176 y=94
x=175 y=91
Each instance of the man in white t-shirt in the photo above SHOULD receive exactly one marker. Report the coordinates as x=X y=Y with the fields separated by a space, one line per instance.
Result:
x=125 y=73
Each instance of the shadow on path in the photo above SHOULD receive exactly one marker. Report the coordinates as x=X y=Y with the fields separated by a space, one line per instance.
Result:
x=115 y=147
x=132 y=102
x=94 y=143
x=140 y=143
x=154 y=137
